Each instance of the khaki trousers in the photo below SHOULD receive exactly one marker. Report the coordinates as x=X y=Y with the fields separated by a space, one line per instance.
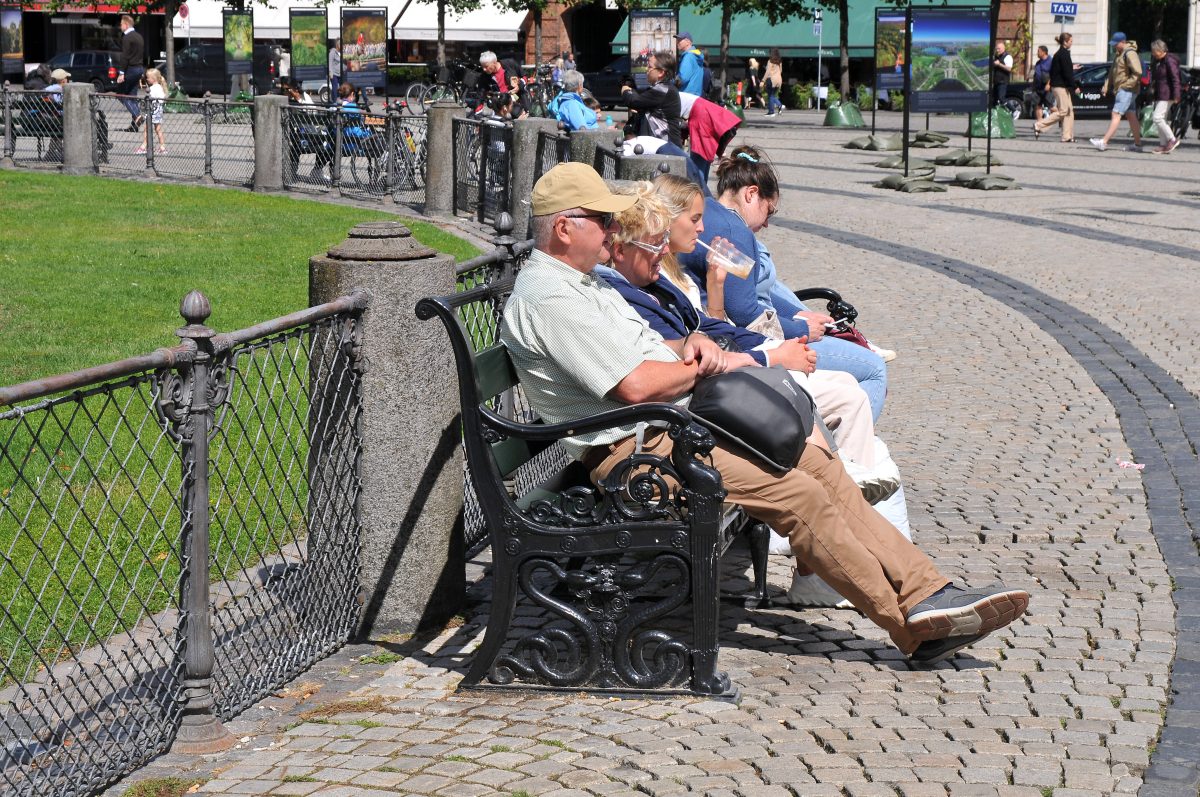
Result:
x=829 y=526
x=838 y=395
x=1063 y=114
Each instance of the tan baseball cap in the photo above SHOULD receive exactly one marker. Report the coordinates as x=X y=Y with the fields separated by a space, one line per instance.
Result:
x=576 y=185
x=59 y=74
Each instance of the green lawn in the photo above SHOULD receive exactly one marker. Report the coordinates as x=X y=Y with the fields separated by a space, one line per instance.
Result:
x=92 y=269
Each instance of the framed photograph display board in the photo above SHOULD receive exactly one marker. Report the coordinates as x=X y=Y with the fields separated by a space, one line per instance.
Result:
x=951 y=50
x=364 y=47
x=651 y=30
x=309 y=33
x=238 y=28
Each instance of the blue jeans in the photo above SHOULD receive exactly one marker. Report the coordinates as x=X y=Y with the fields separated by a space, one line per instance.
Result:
x=773 y=98
x=129 y=87
x=835 y=354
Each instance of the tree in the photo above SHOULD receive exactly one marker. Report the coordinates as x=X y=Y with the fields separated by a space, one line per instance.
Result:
x=458 y=7
x=537 y=8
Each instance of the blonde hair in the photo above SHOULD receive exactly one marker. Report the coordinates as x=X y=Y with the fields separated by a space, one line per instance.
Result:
x=154 y=76
x=649 y=216
x=677 y=194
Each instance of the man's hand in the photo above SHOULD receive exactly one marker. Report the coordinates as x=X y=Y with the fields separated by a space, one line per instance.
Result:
x=816 y=323
x=708 y=356
x=794 y=355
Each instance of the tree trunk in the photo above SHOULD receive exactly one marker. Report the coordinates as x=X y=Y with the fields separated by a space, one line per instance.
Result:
x=441 y=53
x=844 y=46
x=170 y=9
x=726 y=23
x=537 y=39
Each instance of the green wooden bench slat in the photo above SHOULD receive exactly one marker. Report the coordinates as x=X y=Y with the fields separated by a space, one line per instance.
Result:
x=494 y=372
x=511 y=454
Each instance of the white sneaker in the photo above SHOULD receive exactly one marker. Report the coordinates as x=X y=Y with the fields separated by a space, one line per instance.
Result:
x=876 y=485
x=811 y=590
x=887 y=354
x=1098 y=143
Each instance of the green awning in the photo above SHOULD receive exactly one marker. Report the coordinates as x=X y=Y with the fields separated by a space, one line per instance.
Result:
x=753 y=35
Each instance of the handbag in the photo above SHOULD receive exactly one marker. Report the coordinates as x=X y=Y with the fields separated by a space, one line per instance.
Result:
x=761 y=411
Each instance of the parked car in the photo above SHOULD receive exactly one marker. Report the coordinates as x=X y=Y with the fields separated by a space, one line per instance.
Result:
x=98 y=67
x=200 y=68
x=605 y=85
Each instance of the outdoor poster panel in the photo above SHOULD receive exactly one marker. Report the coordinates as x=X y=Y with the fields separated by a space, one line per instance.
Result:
x=309 y=33
x=889 y=49
x=650 y=31
x=238 y=27
x=364 y=47
x=950 y=59
x=12 y=36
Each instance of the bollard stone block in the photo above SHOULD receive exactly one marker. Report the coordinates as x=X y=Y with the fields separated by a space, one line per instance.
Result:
x=647 y=167
x=439 y=158
x=268 y=142
x=412 y=557
x=525 y=141
x=79 y=132
x=583 y=143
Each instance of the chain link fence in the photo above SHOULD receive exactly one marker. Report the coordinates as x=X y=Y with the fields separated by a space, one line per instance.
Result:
x=552 y=149
x=214 y=484
x=355 y=154
x=33 y=128
x=607 y=162
x=194 y=139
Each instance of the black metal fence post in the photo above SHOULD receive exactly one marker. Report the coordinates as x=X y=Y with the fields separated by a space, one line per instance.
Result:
x=146 y=108
x=199 y=391
x=207 y=111
x=9 y=141
x=335 y=165
x=391 y=153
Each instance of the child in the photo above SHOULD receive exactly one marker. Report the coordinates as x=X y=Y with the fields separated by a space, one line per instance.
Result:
x=158 y=95
x=601 y=122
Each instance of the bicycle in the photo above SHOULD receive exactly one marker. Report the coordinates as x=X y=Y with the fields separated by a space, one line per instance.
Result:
x=444 y=85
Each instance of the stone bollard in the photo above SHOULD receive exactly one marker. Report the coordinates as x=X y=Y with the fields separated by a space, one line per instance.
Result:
x=583 y=143
x=79 y=130
x=647 y=167
x=411 y=463
x=524 y=164
x=439 y=157
x=268 y=142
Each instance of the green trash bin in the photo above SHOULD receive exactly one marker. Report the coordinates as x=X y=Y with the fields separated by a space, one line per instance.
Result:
x=997 y=122
x=843 y=114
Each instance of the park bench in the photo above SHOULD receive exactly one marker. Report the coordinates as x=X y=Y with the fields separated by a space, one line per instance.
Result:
x=37 y=115
x=609 y=564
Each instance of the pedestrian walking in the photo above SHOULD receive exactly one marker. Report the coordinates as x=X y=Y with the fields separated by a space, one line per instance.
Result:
x=1168 y=90
x=1041 y=83
x=1062 y=84
x=1123 y=79
x=1002 y=65
x=335 y=68
x=773 y=80
x=132 y=64
x=156 y=86
x=753 y=92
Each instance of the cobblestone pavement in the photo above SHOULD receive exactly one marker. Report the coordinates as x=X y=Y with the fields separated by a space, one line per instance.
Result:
x=1041 y=333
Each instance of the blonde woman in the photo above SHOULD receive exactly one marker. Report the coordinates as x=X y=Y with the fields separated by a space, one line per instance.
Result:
x=753 y=89
x=157 y=86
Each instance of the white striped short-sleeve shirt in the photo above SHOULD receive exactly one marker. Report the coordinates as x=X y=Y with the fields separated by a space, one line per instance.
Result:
x=573 y=338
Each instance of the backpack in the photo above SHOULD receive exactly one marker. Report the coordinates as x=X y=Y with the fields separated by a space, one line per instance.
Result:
x=706 y=85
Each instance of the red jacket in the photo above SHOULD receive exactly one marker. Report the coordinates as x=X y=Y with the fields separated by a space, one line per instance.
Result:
x=708 y=126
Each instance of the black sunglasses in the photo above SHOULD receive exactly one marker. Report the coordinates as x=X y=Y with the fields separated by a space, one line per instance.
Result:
x=606 y=219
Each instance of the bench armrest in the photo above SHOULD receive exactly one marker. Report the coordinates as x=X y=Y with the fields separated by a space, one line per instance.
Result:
x=837 y=307
x=623 y=416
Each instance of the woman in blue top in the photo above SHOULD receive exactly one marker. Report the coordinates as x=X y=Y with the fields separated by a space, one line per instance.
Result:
x=747 y=198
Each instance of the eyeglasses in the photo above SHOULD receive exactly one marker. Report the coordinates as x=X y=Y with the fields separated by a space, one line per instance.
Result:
x=606 y=219
x=654 y=249
x=772 y=207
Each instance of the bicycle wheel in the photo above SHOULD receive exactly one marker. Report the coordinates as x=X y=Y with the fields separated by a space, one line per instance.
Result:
x=439 y=92
x=414 y=98
x=377 y=172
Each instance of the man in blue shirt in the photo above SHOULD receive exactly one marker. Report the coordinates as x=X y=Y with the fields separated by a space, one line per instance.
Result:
x=691 y=65
x=571 y=113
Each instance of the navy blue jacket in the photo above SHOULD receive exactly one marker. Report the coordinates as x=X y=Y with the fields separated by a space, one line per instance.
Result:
x=678 y=317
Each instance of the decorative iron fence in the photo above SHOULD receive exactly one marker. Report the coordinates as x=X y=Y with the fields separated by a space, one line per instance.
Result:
x=467 y=164
x=180 y=536
x=482 y=322
x=327 y=150
x=607 y=162
x=496 y=174
x=552 y=149
x=200 y=139
x=33 y=128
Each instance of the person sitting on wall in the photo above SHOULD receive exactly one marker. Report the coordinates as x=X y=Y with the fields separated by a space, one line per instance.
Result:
x=572 y=113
